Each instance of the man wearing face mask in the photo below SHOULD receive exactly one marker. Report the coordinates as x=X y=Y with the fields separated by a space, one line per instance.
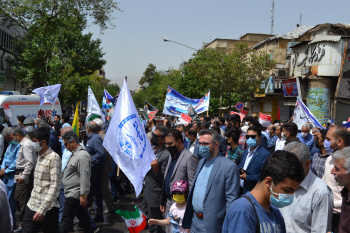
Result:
x=328 y=176
x=319 y=159
x=25 y=164
x=252 y=160
x=280 y=140
x=279 y=178
x=8 y=170
x=42 y=208
x=336 y=139
x=290 y=131
x=305 y=136
x=192 y=141
x=182 y=165
x=312 y=207
x=216 y=186
x=153 y=181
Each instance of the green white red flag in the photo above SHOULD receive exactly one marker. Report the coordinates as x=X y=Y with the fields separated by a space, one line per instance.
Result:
x=135 y=221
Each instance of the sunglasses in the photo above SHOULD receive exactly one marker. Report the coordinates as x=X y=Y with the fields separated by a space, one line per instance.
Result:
x=156 y=136
x=250 y=136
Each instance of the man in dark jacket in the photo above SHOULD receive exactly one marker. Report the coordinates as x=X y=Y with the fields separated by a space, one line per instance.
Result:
x=154 y=178
x=98 y=160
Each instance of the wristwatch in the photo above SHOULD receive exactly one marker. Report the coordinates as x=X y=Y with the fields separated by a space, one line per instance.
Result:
x=84 y=196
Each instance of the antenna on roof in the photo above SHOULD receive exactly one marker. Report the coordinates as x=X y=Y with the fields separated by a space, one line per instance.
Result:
x=272 y=15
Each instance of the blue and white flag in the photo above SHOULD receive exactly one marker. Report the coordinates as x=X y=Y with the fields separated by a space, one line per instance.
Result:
x=93 y=108
x=175 y=104
x=107 y=101
x=303 y=115
x=48 y=94
x=127 y=142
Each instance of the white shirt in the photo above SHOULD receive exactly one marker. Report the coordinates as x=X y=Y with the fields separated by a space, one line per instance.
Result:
x=247 y=161
x=312 y=207
x=330 y=181
x=192 y=147
x=280 y=144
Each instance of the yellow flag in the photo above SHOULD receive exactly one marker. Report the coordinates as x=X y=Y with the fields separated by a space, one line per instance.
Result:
x=75 y=124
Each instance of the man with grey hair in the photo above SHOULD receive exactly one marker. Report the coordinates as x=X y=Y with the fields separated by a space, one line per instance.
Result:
x=37 y=122
x=76 y=181
x=341 y=172
x=312 y=207
x=26 y=161
x=98 y=159
x=216 y=185
x=305 y=136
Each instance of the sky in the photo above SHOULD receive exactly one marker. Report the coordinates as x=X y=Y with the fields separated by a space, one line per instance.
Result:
x=137 y=38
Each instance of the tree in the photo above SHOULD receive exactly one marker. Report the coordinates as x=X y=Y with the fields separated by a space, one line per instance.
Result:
x=231 y=76
x=148 y=76
x=53 y=48
x=156 y=91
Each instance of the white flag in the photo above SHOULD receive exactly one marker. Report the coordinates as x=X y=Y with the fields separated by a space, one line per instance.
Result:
x=303 y=115
x=48 y=94
x=126 y=141
x=93 y=108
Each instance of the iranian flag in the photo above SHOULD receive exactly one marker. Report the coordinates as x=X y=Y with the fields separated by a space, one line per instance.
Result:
x=135 y=221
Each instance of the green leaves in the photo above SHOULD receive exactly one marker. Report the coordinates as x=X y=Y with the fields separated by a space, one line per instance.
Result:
x=53 y=48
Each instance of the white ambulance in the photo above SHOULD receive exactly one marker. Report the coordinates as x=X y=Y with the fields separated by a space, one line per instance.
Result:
x=13 y=105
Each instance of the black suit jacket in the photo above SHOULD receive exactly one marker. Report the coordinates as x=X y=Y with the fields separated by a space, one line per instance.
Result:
x=153 y=182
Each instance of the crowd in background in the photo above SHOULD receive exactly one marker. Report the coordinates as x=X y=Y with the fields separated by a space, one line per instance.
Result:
x=211 y=175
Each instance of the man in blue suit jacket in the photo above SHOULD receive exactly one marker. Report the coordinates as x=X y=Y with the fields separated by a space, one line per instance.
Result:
x=253 y=160
x=216 y=186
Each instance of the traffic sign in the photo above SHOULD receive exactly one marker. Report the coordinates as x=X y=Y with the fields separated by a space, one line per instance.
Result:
x=239 y=106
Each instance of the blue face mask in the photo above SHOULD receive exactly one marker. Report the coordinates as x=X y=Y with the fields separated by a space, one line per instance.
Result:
x=187 y=140
x=35 y=126
x=204 y=151
x=327 y=146
x=251 y=142
x=283 y=199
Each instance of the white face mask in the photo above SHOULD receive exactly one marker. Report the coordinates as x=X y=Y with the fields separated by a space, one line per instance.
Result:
x=36 y=146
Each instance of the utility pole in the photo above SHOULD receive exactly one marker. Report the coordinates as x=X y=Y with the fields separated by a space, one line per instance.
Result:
x=301 y=16
x=272 y=15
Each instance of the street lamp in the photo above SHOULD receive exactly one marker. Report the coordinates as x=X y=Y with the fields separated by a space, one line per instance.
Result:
x=167 y=40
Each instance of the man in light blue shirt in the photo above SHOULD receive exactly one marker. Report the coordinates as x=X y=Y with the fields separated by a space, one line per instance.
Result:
x=8 y=170
x=216 y=186
x=305 y=136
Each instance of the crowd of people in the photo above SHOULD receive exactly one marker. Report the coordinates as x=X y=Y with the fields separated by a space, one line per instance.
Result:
x=238 y=176
x=211 y=175
x=50 y=175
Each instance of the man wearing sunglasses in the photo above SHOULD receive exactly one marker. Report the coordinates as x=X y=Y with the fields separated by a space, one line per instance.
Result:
x=252 y=160
x=152 y=189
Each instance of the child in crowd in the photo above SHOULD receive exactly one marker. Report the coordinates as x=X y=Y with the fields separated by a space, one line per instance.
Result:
x=177 y=210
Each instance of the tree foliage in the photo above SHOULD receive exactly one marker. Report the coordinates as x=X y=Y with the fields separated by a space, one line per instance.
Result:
x=156 y=91
x=52 y=47
x=232 y=76
x=148 y=76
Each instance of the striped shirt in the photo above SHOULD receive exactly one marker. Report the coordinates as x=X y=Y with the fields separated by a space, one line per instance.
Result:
x=47 y=182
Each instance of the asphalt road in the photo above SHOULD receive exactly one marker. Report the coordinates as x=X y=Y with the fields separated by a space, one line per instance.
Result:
x=113 y=222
